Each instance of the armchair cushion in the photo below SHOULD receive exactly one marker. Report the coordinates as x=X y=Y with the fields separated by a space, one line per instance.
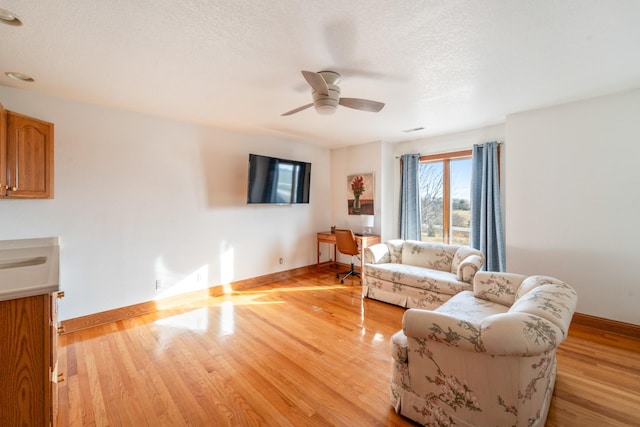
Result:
x=497 y=287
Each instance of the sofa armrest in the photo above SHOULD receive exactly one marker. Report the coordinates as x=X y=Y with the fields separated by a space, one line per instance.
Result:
x=469 y=267
x=377 y=254
x=443 y=328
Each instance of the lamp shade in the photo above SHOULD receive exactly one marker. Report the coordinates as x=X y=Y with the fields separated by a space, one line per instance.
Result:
x=367 y=220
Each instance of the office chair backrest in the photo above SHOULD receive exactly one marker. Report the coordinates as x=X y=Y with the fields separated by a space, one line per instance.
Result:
x=346 y=242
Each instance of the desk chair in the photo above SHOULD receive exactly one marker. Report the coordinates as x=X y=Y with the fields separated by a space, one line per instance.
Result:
x=346 y=244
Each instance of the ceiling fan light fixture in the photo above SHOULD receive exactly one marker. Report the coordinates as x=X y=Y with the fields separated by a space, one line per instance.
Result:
x=9 y=18
x=325 y=110
x=325 y=106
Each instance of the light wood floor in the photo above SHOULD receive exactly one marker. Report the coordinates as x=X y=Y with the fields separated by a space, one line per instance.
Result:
x=301 y=352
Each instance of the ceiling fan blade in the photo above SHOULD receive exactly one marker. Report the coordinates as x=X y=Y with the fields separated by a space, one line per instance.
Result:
x=316 y=81
x=295 y=110
x=362 y=104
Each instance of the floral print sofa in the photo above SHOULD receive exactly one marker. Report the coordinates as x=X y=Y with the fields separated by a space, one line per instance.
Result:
x=486 y=357
x=417 y=274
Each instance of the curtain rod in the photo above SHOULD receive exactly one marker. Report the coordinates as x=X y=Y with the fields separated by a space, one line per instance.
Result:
x=398 y=157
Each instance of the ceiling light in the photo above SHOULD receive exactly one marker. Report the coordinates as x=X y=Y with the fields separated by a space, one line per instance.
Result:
x=325 y=105
x=325 y=109
x=9 y=18
x=19 y=76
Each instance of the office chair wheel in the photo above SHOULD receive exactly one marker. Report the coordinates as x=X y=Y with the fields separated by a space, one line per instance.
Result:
x=342 y=281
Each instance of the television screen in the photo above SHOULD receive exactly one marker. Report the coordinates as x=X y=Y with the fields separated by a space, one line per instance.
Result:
x=279 y=181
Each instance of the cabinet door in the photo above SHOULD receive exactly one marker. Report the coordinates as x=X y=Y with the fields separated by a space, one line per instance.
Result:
x=24 y=362
x=29 y=157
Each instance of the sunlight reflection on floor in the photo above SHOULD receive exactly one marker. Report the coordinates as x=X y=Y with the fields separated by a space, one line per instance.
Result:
x=195 y=318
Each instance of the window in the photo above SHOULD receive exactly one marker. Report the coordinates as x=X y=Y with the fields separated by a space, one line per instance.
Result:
x=445 y=198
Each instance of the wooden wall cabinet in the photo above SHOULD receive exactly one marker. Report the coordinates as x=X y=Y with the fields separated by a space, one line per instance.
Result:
x=26 y=157
x=28 y=361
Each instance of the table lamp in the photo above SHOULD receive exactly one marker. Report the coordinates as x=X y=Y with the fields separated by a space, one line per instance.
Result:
x=367 y=223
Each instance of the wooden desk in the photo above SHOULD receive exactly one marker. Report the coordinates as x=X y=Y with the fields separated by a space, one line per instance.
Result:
x=362 y=240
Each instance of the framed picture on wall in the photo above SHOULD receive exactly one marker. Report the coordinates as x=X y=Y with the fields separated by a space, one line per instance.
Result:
x=360 y=194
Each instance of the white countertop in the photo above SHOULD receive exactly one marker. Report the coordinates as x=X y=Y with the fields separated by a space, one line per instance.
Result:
x=29 y=267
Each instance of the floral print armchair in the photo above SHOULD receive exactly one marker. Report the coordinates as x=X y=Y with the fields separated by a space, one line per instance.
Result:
x=485 y=357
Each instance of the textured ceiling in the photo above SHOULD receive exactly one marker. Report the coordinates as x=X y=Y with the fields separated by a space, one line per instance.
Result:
x=442 y=65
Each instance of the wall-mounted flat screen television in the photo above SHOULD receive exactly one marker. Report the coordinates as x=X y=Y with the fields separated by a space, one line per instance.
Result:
x=278 y=181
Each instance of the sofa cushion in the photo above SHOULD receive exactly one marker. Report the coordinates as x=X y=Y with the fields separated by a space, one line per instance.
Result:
x=395 y=250
x=429 y=255
x=418 y=277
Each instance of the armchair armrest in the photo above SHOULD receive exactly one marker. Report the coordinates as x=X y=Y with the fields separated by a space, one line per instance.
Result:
x=519 y=334
x=442 y=328
x=505 y=334
x=377 y=254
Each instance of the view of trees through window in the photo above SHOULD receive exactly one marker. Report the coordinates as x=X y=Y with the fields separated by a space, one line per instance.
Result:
x=445 y=198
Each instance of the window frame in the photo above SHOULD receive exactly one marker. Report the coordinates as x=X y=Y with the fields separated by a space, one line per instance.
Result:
x=446 y=158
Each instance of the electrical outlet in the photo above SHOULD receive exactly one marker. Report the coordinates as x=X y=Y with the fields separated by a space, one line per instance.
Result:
x=158 y=284
x=281 y=261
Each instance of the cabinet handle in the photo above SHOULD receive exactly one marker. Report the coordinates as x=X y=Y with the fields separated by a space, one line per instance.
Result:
x=60 y=294
x=61 y=330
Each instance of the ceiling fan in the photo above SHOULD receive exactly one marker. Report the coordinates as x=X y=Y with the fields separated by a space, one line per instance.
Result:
x=326 y=95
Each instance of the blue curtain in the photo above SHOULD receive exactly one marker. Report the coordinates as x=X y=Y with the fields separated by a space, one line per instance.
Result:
x=410 y=198
x=487 y=232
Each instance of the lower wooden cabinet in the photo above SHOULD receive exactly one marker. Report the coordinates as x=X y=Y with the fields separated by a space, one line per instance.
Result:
x=28 y=361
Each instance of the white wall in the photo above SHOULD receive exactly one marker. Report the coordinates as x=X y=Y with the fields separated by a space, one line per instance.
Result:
x=359 y=159
x=140 y=198
x=573 y=200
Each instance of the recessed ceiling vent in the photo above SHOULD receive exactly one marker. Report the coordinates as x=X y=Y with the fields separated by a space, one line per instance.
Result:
x=19 y=76
x=413 y=129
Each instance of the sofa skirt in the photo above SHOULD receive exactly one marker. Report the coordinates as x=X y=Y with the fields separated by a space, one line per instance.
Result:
x=404 y=296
